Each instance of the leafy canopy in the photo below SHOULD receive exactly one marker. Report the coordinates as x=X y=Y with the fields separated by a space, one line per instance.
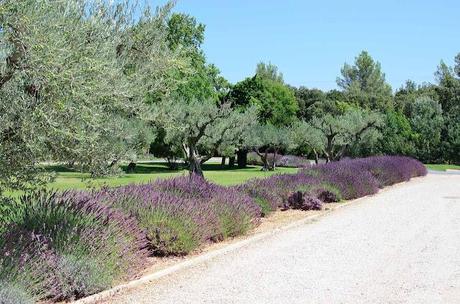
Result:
x=276 y=102
x=73 y=80
x=364 y=83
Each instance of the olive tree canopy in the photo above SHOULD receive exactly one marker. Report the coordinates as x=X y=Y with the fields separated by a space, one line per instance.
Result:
x=333 y=135
x=73 y=80
x=203 y=129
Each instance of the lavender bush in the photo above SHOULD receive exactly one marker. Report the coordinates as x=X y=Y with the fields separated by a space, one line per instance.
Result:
x=226 y=203
x=326 y=193
x=263 y=192
x=66 y=246
x=299 y=200
x=347 y=176
x=331 y=182
x=389 y=170
x=14 y=294
x=181 y=213
x=9 y=210
x=173 y=224
x=23 y=268
x=273 y=192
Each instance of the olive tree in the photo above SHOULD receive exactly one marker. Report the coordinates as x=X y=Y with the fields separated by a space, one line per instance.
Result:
x=202 y=129
x=304 y=135
x=334 y=135
x=266 y=138
x=71 y=85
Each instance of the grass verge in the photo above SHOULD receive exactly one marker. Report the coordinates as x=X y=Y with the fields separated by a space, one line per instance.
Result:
x=442 y=167
x=149 y=171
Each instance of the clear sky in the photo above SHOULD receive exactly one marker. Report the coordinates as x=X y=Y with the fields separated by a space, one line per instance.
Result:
x=310 y=40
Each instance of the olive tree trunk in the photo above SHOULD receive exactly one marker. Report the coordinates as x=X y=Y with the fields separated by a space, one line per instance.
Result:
x=193 y=159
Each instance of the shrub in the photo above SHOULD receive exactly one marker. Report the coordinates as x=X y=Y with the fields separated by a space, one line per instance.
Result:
x=389 y=170
x=298 y=200
x=348 y=177
x=327 y=194
x=276 y=189
x=9 y=210
x=181 y=213
x=261 y=190
x=173 y=224
x=293 y=161
x=332 y=182
x=234 y=211
x=14 y=294
x=23 y=268
x=70 y=245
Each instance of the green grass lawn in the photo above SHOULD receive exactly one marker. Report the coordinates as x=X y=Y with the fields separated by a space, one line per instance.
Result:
x=442 y=167
x=147 y=171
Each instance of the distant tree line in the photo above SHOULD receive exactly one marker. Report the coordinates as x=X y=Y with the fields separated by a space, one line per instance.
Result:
x=91 y=84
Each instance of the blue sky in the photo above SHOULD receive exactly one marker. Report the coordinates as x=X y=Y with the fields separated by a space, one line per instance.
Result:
x=310 y=40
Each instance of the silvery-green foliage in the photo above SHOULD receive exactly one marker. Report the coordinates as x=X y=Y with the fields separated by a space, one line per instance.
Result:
x=203 y=128
x=303 y=135
x=337 y=133
x=265 y=138
x=268 y=136
x=74 y=75
x=12 y=294
x=149 y=62
x=229 y=134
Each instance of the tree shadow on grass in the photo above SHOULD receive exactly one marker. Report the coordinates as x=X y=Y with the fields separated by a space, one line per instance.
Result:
x=152 y=168
x=162 y=167
x=60 y=169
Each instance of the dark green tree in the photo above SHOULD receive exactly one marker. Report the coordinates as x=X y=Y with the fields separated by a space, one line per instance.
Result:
x=397 y=135
x=448 y=90
x=309 y=101
x=276 y=102
x=427 y=123
x=200 y=80
x=406 y=95
x=364 y=83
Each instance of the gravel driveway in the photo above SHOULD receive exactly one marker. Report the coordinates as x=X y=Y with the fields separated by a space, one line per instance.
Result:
x=400 y=246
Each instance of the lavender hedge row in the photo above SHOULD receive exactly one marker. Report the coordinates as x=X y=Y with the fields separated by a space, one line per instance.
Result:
x=346 y=179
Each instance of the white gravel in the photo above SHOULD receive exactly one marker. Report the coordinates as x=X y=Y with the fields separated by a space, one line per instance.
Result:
x=400 y=246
